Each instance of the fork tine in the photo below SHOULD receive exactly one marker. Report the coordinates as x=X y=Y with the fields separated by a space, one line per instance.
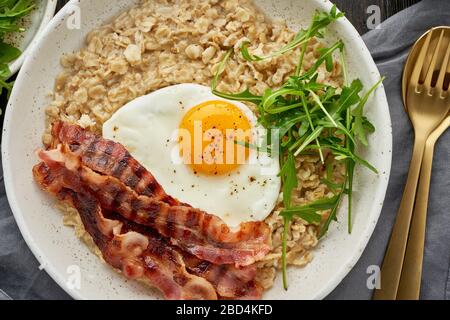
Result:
x=415 y=76
x=434 y=60
x=442 y=73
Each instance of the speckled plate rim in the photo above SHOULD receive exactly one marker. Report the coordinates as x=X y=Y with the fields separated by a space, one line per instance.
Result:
x=39 y=252
x=49 y=12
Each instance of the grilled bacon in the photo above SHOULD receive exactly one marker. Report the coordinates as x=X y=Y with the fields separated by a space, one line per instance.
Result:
x=201 y=234
x=109 y=158
x=144 y=257
x=118 y=239
x=230 y=282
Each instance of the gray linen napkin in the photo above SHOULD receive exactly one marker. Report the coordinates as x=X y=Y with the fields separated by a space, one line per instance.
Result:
x=22 y=279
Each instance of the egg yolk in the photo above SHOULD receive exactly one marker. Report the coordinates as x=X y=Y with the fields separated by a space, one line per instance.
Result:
x=214 y=138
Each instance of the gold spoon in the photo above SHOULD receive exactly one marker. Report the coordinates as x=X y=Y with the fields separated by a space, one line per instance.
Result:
x=428 y=105
x=409 y=288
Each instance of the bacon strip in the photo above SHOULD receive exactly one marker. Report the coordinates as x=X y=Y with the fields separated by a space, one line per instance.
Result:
x=203 y=235
x=114 y=236
x=109 y=158
x=147 y=258
x=230 y=282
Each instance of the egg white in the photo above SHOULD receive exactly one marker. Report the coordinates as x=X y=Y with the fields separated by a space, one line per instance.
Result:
x=147 y=127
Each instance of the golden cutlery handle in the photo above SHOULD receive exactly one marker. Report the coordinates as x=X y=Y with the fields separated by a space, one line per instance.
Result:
x=409 y=288
x=393 y=259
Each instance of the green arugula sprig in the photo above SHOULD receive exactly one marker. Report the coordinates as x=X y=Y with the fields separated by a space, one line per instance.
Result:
x=320 y=21
x=11 y=11
x=311 y=117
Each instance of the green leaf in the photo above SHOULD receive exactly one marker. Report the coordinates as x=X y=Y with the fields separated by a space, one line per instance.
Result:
x=320 y=21
x=286 y=226
x=328 y=58
x=358 y=127
x=220 y=69
x=288 y=175
x=304 y=126
x=10 y=13
x=269 y=102
x=325 y=54
x=348 y=98
x=6 y=86
x=317 y=205
x=242 y=96
x=365 y=163
x=309 y=212
x=4 y=71
x=309 y=215
x=368 y=126
x=332 y=215
x=350 y=172
x=313 y=136
x=246 y=54
x=334 y=187
x=325 y=111
x=8 y=53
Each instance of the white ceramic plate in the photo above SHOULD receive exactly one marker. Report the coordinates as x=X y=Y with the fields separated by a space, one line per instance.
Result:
x=62 y=254
x=34 y=24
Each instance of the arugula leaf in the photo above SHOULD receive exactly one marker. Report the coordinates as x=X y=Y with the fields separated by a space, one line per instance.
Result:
x=310 y=122
x=309 y=212
x=10 y=13
x=350 y=172
x=243 y=96
x=290 y=182
x=8 y=53
x=358 y=127
x=288 y=175
x=348 y=98
x=309 y=215
x=320 y=104
x=286 y=226
x=314 y=135
x=325 y=55
x=320 y=21
x=221 y=69
x=333 y=213
x=368 y=126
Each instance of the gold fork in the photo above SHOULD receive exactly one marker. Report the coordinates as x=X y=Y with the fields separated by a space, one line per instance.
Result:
x=410 y=280
x=427 y=103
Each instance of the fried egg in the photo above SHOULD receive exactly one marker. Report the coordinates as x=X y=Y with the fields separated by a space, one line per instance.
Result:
x=200 y=149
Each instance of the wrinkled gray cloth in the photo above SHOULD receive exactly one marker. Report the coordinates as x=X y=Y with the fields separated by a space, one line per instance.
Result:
x=21 y=278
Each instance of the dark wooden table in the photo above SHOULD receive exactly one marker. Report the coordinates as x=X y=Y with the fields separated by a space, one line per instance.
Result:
x=356 y=11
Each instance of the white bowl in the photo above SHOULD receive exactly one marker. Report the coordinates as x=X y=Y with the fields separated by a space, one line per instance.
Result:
x=62 y=254
x=35 y=23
